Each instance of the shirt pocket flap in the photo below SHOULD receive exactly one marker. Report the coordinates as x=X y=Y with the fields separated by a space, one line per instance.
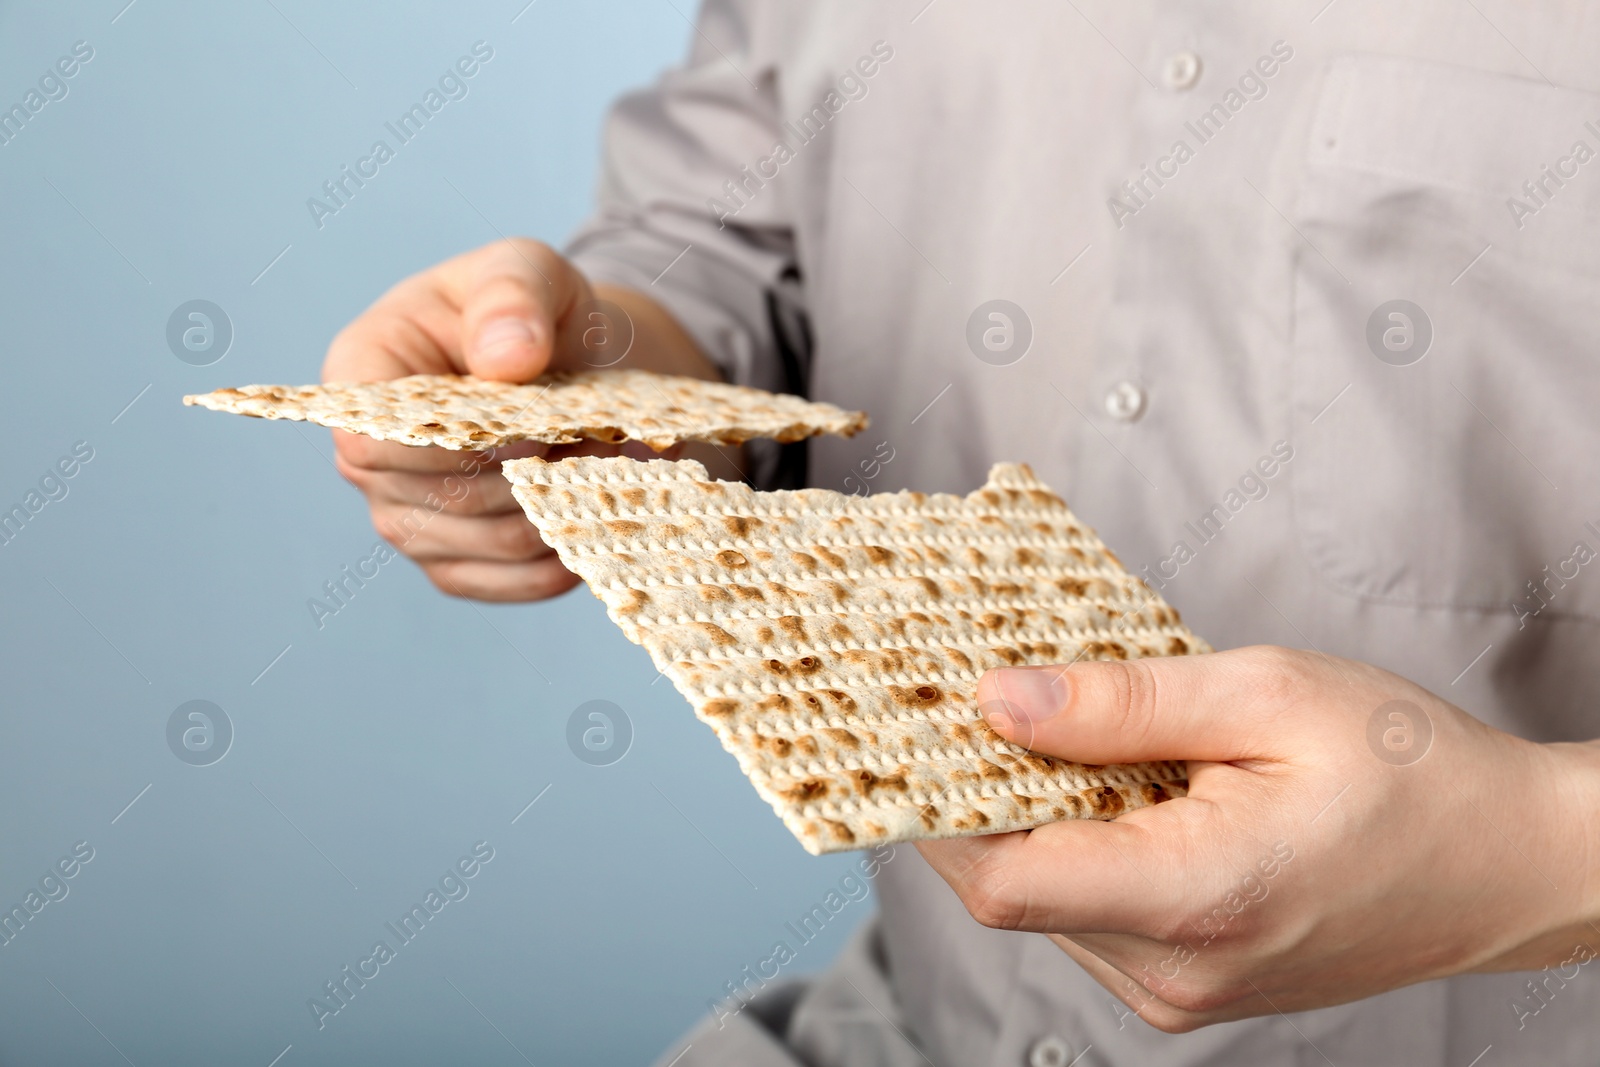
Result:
x=1444 y=384
x=1455 y=128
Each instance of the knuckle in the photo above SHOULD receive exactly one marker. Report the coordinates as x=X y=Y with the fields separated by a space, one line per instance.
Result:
x=1278 y=675
x=398 y=525
x=356 y=476
x=1200 y=996
x=503 y=292
x=456 y=499
x=453 y=494
x=1275 y=659
x=1170 y=1020
x=485 y=504
x=525 y=246
x=549 y=582
x=1131 y=695
x=514 y=536
x=1175 y=927
x=1221 y=925
x=353 y=451
x=446 y=578
x=994 y=900
x=387 y=531
x=519 y=266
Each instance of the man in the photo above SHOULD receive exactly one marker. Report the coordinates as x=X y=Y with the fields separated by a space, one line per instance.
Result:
x=1295 y=304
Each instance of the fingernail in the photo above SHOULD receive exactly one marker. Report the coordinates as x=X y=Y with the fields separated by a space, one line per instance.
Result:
x=504 y=336
x=1032 y=694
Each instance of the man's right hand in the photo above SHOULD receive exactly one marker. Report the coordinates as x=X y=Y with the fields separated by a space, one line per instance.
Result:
x=507 y=312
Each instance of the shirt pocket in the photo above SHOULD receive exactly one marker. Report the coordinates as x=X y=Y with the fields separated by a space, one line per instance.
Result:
x=1447 y=450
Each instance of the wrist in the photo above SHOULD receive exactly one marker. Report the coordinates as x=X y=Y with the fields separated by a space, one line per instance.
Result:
x=1556 y=906
x=1569 y=861
x=1581 y=805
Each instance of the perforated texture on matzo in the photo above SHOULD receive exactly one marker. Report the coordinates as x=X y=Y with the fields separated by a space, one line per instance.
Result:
x=834 y=643
x=459 y=412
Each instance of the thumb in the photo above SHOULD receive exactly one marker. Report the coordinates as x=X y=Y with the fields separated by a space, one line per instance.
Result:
x=511 y=305
x=1180 y=708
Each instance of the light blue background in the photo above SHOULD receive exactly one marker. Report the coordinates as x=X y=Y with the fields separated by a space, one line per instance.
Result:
x=180 y=564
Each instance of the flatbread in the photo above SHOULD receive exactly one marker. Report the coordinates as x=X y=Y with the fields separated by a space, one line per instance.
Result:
x=834 y=643
x=464 y=413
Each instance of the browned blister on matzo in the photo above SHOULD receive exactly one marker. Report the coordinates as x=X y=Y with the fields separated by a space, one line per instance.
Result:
x=464 y=413
x=834 y=643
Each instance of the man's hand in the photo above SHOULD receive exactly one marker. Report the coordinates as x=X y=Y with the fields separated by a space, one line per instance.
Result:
x=1346 y=832
x=507 y=312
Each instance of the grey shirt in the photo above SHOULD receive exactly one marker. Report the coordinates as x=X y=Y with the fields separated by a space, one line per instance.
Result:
x=1296 y=306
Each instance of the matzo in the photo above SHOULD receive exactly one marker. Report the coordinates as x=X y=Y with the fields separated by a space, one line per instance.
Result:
x=834 y=643
x=460 y=412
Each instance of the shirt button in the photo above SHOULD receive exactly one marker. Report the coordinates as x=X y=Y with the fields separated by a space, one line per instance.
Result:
x=1125 y=402
x=1049 y=1051
x=1181 y=71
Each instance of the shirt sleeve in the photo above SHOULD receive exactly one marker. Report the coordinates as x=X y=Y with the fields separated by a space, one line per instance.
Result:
x=673 y=219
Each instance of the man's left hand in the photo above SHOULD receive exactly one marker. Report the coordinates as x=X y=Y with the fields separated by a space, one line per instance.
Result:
x=1346 y=832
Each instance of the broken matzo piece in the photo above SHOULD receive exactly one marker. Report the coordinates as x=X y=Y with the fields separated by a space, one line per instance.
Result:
x=564 y=407
x=834 y=643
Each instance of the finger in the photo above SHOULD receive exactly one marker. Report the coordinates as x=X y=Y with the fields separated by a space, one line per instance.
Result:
x=1223 y=706
x=631 y=449
x=1140 y=971
x=514 y=296
x=414 y=328
x=501 y=582
x=1138 y=993
x=427 y=536
x=358 y=450
x=1180 y=986
x=1074 y=877
x=451 y=493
